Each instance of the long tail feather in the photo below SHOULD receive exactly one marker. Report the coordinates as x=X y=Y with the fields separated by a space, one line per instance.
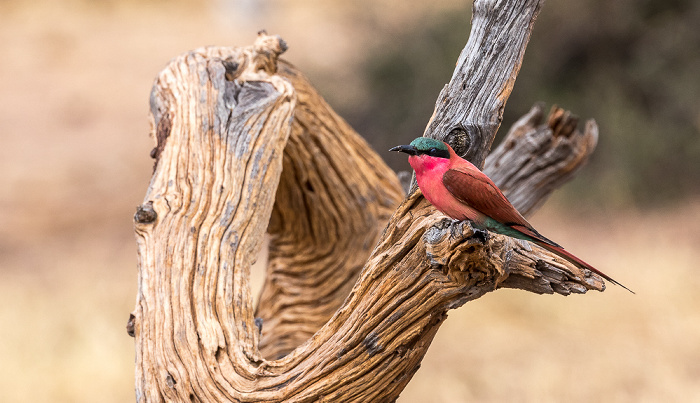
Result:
x=573 y=259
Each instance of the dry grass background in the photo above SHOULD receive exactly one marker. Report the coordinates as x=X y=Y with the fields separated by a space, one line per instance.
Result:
x=74 y=84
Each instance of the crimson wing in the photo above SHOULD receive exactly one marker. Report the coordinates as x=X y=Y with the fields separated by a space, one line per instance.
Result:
x=475 y=189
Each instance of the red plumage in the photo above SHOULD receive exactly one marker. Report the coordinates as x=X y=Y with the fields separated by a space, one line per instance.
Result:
x=460 y=190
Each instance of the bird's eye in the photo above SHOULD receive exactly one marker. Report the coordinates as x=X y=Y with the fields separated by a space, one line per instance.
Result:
x=432 y=151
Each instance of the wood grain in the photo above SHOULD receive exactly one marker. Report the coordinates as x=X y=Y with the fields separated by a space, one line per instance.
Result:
x=334 y=198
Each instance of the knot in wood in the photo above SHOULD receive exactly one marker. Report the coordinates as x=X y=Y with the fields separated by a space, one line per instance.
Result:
x=458 y=138
x=170 y=381
x=130 y=324
x=232 y=68
x=145 y=213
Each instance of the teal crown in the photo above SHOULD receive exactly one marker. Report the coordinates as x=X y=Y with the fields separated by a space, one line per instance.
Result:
x=424 y=144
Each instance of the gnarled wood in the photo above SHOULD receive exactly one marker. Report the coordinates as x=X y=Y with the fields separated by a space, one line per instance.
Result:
x=227 y=123
x=333 y=200
x=212 y=192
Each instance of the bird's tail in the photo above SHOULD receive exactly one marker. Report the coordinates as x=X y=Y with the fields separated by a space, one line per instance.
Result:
x=573 y=259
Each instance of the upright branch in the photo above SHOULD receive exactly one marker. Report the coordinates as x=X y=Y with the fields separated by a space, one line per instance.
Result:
x=469 y=109
x=244 y=145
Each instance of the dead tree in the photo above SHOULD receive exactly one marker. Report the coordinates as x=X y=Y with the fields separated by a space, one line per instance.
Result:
x=359 y=277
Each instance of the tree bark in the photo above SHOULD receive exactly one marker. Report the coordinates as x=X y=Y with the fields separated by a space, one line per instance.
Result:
x=245 y=145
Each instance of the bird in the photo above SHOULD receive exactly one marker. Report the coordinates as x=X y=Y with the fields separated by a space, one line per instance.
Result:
x=461 y=191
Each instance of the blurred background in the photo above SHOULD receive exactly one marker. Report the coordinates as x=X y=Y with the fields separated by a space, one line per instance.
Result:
x=75 y=77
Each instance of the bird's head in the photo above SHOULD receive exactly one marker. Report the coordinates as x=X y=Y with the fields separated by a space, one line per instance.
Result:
x=425 y=146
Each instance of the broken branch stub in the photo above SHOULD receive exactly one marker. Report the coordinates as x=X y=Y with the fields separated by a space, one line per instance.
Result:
x=540 y=156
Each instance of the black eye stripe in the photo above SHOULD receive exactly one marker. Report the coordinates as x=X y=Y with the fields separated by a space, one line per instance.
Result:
x=435 y=152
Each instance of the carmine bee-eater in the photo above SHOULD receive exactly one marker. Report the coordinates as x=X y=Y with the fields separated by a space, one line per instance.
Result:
x=460 y=190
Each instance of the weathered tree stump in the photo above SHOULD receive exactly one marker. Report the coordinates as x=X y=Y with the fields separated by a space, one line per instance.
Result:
x=358 y=280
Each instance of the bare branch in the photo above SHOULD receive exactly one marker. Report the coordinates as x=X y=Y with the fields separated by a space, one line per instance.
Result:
x=540 y=157
x=469 y=109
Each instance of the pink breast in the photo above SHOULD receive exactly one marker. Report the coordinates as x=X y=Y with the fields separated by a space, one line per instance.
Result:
x=429 y=172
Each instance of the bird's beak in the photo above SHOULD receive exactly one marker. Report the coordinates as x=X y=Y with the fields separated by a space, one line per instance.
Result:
x=409 y=149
